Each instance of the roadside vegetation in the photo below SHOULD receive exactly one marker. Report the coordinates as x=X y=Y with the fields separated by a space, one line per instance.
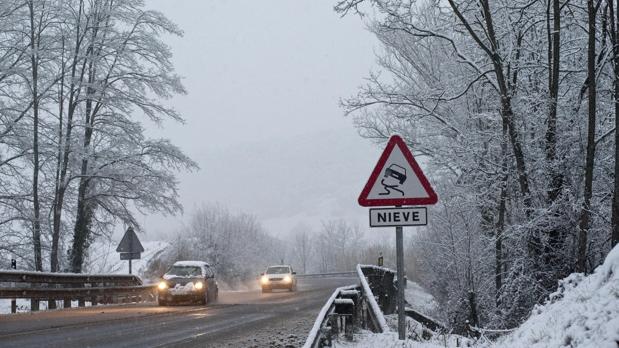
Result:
x=513 y=108
x=78 y=79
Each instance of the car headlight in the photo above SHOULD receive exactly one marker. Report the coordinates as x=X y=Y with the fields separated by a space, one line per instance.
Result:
x=198 y=285
x=264 y=279
x=162 y=285
x=287 y=279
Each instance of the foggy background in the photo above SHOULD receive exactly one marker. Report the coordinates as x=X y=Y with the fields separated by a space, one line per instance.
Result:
x=264 y=79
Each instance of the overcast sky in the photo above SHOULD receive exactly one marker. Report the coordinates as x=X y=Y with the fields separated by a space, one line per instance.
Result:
x=264 y=79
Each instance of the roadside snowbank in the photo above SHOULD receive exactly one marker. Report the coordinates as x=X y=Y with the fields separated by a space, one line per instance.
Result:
x=419 y=299
x=584 y=312
x=385 y=340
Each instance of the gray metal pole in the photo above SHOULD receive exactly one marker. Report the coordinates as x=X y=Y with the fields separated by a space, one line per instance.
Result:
x=13 y=301
x=399 y=240
x=129 y=263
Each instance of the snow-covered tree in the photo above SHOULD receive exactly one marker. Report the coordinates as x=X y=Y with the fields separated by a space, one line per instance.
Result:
x=512 y=106
x=77 y=81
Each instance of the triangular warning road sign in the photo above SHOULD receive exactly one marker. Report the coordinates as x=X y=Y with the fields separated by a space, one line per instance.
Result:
x=397 y=179
x=130 y=243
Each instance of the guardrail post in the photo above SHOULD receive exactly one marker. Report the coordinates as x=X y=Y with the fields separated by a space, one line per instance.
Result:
x=34 y=305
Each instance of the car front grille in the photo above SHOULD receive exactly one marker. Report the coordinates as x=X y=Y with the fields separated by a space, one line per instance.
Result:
x=276 y=279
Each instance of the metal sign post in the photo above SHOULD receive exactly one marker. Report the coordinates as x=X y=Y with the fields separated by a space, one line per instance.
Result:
x=13 y=301
x=397 y=180
x=399 y=250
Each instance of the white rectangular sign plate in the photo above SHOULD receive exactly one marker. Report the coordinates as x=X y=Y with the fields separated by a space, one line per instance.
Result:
x=391 y=217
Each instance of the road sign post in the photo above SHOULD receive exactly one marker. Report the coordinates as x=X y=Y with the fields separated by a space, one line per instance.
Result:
x=13 y=301
x=399 y=250
x=397 y=180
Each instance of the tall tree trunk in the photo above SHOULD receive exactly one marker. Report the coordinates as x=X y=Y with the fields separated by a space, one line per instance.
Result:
x=53 y=258
x=506 y=111
x=63 y=164
x=555 y=185
x=85 y=210
x=585 y=215
x=500 y=227
x=556 y=179
x=506 y=108
x=57 y=204
x=82 y=229
x=614 y=234
x=36 y=223
x=36 y=205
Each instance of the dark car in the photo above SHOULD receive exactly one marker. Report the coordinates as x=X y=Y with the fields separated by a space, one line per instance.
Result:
x=188 y=281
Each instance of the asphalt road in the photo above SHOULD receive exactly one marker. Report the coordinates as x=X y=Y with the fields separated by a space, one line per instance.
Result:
x=238 y=319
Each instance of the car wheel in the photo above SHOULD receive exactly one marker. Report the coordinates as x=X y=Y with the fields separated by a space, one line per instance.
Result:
x=162 y=302
x=204 y=299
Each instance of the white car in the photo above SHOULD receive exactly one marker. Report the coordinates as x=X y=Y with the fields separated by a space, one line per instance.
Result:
x=278 y=277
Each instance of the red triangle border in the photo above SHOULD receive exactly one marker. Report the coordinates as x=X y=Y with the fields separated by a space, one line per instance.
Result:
x=394 y=141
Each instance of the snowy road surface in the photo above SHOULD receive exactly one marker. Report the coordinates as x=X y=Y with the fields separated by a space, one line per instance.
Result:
x=238 y=319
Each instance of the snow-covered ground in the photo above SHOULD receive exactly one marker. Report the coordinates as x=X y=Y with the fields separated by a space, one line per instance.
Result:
x=419 y=299
x=583 y=313
x=366 y=339
x=23 y=305
x=103 y=260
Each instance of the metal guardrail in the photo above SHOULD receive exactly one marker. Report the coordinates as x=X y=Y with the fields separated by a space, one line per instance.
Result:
x=322 y=331
x=376 y=314
x=95 y=288
x=327 y=275
x=66 y=278
x=348 y=307
x=376 y=295
x=426 y=321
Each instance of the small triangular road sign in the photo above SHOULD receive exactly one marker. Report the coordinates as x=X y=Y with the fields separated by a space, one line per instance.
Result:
x=397 y=179
x=130 y=243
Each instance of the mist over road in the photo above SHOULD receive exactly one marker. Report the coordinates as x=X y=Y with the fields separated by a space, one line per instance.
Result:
x=239 y=319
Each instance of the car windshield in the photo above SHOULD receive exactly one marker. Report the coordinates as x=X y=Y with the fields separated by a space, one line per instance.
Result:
x=278 y=270
x=185 y=271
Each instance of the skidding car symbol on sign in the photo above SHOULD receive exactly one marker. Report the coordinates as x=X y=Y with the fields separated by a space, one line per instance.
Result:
x=392 y=172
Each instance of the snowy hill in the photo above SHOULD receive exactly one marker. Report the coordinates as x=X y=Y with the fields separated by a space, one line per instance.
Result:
x=584 y=312
x=105 y=259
